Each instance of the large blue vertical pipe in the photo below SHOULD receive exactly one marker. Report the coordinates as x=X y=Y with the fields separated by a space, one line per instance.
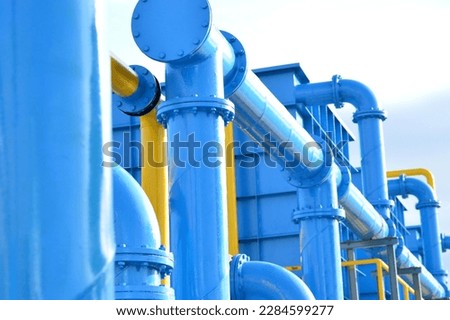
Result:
x=318 y=213
x=369 y=118
x=428 y=206
x=195 y=114
x=56 y=229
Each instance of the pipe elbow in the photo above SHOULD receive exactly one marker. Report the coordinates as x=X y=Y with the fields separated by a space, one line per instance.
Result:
x=358 y=94
x=405 y=186
x=134 y=219
x=255 y=280
x=140 y=261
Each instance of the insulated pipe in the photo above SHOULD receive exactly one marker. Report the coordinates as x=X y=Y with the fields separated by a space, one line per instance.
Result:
x=195 y=114
x=369 y=118
x=256 y=280
x=56 y=223
x=140 y=259
x=428 y=206
x=414 y=172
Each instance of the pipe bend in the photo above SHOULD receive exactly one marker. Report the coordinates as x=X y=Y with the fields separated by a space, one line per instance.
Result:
x=405 y=186
x=257 y=280
x=358 y=94
x=134 y=219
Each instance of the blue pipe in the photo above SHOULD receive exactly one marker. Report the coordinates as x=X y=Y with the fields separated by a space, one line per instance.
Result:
x=445 y=243
x=428 y=206
x=369 y=118
x=56 y=223
x=318 y=213
x=140 y=261
x=256 y=280
x=180 y=34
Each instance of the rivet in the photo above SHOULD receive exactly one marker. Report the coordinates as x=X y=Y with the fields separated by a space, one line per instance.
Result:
x=145 y=72
x=242 y=69
x=136 y=34
x=145 y=48
x=136 y=16
x=232 y=39
x=119 y=103
x=204 y=5
x=205 y=24
x=180 y=53
x=196 y=41
x=162 y=55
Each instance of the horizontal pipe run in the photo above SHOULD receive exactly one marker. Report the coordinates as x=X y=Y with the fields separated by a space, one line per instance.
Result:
x=257 y=280
x=124 y=80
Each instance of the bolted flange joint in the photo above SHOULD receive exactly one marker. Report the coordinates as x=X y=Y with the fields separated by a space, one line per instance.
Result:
x=365 y=114
x=173 y=107
x=235 y=76
x=321 y=174
x=144 y=99
x=235 y=274
x=144 y=259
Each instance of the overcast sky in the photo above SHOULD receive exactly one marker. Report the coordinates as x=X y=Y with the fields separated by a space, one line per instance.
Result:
x=399 y=48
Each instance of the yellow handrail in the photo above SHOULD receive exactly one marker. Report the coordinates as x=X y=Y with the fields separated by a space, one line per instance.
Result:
x=414 y=172
x=381 y=265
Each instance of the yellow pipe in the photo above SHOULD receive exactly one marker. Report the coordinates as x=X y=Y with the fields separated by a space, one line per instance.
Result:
x=154 y=171
x=414 y=172
x=124 y=80
x=233 y=241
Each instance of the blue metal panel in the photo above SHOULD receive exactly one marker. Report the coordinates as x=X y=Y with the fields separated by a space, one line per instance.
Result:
x=56 y=226
x=126 y=149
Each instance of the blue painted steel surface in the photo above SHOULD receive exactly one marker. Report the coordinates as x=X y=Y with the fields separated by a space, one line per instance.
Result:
x=125 y=148
x=140 y=260
x=428 y=207
x=56 y=227
x=195 y=115
x=256 y=280
x=318 y=213
x=369 y=118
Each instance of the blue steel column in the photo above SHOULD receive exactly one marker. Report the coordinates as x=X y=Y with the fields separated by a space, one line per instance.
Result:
x=56 y=228
x=195 y=115
x=318 y=214
x=428 y=207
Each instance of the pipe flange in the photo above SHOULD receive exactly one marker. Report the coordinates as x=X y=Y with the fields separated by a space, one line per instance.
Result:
x=428 y=204
x=383 y=204
x=346 y=179
x=236 y=76
x=154 y=258
x=322 y=173
x=308 y=213
x=235 y=274
x=335 y=85
x=176 y=106
x=144 y=99
x=375 y=113
x=171 y=30
x=130 y=292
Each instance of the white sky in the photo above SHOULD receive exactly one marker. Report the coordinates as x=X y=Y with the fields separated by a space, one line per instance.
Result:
x=399 y=48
